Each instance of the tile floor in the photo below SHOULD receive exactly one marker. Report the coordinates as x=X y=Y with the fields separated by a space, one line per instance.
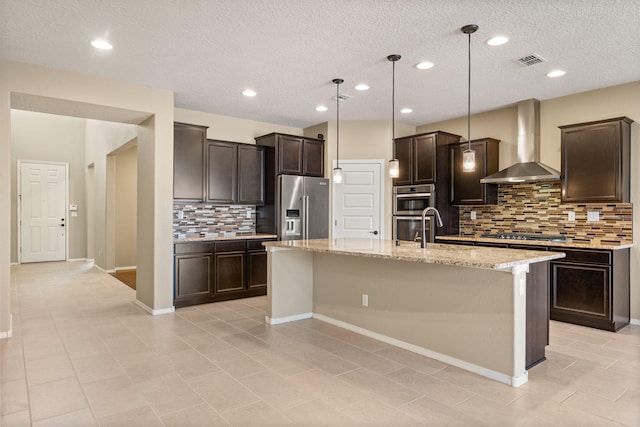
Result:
x=84 y=354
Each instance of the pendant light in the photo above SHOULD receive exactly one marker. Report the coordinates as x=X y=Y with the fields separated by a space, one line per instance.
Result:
x=337 y=171
x=468 y=155
x=394 y=165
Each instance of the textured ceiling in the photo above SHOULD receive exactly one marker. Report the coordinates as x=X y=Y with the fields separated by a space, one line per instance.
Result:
x=209 y=51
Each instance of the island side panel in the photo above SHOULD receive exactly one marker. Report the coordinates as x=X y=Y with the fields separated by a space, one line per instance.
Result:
x=465 y=313
x=289 y=285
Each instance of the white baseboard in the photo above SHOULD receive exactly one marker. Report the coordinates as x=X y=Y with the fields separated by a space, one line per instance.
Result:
x=155 y=312
x=9 y=333
x=13 y=263
x=76 y=259
x=131 y=267
x=91 y=260
x=635 y=321
x=103 y=270
x=279 y=320
x=488 y=373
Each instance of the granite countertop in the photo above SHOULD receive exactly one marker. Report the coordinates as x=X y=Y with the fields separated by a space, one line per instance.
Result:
x=569 y=243
x=218 y=238
x=434 y=253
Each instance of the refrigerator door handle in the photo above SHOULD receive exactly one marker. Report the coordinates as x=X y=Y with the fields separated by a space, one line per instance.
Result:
x=306 y=217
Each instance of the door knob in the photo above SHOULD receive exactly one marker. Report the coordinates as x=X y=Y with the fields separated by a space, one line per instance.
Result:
x=374 y=232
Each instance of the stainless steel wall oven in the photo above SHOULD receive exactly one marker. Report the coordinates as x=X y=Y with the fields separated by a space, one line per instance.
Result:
x=408 y=203
x=412 y=199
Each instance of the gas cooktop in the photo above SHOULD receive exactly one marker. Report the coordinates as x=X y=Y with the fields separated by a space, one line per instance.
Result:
x=523 y=236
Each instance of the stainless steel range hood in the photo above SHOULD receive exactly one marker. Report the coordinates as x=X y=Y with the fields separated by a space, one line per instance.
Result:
x=528 y=168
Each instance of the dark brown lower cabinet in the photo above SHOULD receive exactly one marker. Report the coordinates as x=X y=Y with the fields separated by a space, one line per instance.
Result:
x=207 y=272
x=591 y=288
x=229 y=274
x=193 y=273
x=256 y=268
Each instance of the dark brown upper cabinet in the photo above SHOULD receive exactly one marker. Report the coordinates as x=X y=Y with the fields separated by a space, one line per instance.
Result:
x=294 y=155
x=222 y=172
x=250 y=174
x=595 y=161
x=215 y=171
x=188 y=161
x=235 y=173
x=418 y=157
x=466 y=188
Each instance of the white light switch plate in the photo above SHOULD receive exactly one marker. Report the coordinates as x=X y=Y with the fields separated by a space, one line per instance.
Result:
x=473 y=215
x=571 y=216
x=593 y=216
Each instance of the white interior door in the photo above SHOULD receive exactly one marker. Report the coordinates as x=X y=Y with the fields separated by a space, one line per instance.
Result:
x=357 y=202
x=43 y=198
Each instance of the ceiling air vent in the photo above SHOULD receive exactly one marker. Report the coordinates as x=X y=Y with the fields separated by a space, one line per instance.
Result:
x=530 y=60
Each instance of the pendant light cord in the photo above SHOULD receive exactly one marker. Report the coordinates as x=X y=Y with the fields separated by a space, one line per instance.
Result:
x=337 y=125
x=393 y=102
x=469 y=100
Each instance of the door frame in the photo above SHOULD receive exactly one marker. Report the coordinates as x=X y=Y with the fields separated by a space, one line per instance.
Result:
x=19 y=164
x=381 y=163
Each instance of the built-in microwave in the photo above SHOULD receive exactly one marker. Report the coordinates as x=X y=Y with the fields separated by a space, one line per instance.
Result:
x=412 y=199
x=410 y=228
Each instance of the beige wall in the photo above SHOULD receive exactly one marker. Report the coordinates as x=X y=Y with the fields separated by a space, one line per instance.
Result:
x=51 y=138
x=155 y=146
x=126 y=207
x=231 y=128
x=616 y=101
x=102 y=139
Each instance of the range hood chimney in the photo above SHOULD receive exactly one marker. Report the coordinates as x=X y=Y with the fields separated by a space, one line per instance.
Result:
x=528 y=168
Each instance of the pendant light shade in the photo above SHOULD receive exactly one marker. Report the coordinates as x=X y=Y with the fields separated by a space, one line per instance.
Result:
x=337 y=171
x=394 y=168
x=468 y=155
x=394 y=164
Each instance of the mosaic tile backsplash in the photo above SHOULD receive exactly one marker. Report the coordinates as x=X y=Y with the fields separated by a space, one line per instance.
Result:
x=206 y=220
x=537 y=208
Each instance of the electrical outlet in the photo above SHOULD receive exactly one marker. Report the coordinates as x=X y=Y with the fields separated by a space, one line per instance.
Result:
x=365 y=300
x=571 y=216
x=248 y=213
x=473 y=215
x=593 y=216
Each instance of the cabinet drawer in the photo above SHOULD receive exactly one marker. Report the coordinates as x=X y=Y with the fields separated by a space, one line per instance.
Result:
x=256 y=244
x=588 y=256
x=195 y=247
x=232 y=246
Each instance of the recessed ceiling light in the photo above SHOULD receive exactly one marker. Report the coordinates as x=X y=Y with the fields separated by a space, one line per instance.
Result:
x=321 y=108
x=101 y=44
x=556 y=73
x=406 y=111
x=497 y=40
x=249 y=92
x=362 y=86
x=424 y=65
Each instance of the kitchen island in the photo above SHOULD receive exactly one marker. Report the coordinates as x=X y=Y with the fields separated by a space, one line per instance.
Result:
x=465 y=306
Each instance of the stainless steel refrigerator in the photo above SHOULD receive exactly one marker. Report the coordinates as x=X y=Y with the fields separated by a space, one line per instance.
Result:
x=302 y=207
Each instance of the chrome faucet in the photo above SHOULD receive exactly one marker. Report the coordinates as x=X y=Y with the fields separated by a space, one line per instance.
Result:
x=423 y=243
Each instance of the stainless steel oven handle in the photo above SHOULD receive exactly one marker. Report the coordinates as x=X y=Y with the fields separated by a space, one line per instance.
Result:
x=412 y=195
